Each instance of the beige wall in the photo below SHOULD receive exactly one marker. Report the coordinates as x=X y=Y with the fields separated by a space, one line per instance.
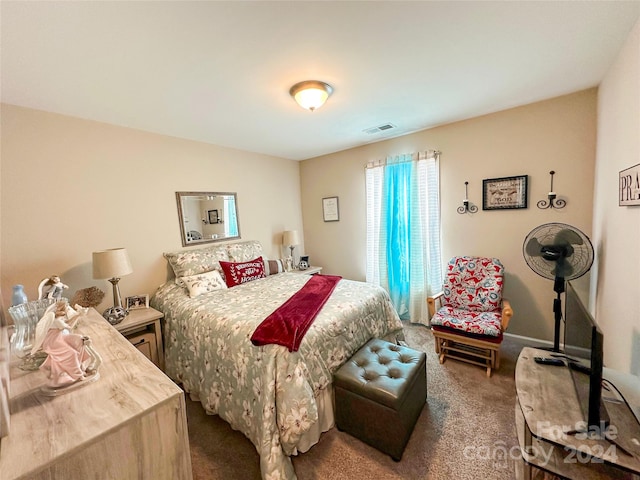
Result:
x=70 y=187
x=557 y=134
x=616 y=276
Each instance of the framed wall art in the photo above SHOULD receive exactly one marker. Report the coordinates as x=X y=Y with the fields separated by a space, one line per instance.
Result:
x=136 y=302
x=213 y=216
x=504 y=193
x=629 y=186
x=330 y=210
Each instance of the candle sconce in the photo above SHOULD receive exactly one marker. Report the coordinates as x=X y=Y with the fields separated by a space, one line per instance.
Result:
x=552 y=200
x=467 y=206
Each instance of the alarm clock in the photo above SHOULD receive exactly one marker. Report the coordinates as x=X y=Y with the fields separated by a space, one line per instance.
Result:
x=303 y=265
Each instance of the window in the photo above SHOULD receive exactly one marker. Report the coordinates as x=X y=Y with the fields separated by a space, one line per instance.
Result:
x=403 y=231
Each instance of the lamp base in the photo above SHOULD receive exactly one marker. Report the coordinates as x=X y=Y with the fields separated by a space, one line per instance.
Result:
x=115 y=315
x=293 y=260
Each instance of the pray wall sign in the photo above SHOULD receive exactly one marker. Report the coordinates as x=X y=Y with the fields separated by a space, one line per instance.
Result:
x=629 y=186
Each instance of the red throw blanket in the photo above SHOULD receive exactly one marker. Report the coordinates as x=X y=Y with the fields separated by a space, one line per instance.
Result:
x=288 y=324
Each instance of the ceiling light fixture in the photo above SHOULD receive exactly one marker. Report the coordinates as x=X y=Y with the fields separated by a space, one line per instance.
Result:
x=311 y=94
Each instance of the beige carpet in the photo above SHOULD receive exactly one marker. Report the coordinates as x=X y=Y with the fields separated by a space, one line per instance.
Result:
x=462 y=433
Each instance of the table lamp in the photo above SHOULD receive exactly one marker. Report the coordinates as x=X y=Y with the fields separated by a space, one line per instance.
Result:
x=290 y=238
x=112 y=264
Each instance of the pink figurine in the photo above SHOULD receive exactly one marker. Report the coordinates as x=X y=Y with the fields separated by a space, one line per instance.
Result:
x=70 y=356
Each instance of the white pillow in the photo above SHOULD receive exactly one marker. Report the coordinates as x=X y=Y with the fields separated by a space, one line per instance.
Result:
x=204 y=283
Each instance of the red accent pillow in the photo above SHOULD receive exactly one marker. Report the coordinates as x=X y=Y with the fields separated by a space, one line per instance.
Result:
x=236 y=273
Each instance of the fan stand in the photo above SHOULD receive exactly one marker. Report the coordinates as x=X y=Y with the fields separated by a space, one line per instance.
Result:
x=558 y=243
x=558 y=287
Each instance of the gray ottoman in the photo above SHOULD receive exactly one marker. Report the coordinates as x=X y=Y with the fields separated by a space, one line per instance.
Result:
x=380 y=393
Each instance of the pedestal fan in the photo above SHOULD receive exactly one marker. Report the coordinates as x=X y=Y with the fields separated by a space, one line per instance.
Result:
x=558 y=252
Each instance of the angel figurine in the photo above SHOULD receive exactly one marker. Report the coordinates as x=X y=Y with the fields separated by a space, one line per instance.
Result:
x=71 y=357
x=51 y=287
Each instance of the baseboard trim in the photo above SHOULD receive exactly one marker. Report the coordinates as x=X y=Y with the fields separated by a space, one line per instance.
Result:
x=530 y=341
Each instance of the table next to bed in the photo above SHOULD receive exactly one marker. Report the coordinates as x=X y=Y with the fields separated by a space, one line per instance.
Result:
x=142 y=327
x=309 y=271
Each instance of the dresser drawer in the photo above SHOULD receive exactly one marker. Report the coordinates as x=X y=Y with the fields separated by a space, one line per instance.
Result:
x=146 y=343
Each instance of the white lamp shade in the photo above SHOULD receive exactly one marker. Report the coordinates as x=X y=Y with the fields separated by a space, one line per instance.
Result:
x=111 y=263
x=311 y=94
x=311 y=98
x=290 y=238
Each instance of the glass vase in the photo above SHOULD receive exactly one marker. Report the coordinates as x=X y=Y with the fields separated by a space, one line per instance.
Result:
x=25 y=318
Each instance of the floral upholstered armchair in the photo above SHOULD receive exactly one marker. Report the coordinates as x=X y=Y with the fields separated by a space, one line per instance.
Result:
x=470 y=315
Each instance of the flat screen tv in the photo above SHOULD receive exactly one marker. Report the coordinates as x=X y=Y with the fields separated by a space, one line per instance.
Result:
x=583 y=346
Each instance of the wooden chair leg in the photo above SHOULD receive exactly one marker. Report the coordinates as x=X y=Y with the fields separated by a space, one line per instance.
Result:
x=442 y=349
x=437 y=344
x=492 y=362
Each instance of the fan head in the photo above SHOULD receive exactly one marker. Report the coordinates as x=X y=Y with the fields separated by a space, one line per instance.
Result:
x=557 y=250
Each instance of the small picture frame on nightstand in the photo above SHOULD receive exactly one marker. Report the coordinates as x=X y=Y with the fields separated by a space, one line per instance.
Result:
x=136 y=302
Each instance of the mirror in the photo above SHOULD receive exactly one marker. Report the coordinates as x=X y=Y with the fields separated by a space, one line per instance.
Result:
x=207 y=217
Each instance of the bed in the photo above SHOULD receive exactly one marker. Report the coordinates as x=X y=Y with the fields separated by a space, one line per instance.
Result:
x=281 y=400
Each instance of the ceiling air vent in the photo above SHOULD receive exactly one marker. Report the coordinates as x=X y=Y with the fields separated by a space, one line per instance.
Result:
x=379 y=128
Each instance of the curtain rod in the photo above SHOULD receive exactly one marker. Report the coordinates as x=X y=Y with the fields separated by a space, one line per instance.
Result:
x=423 y=155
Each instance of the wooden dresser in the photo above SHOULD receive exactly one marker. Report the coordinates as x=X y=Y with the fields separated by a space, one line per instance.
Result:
x=129 y=424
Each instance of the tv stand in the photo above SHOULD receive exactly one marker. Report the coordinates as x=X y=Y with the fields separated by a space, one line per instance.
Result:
x=548 y=414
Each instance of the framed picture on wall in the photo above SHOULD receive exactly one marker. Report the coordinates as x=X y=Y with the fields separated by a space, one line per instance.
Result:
x=504 y=193
x=213 y=216
x=330 y=210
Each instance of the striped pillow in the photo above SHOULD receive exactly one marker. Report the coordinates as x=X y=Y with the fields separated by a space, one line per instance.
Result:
x=271 y=267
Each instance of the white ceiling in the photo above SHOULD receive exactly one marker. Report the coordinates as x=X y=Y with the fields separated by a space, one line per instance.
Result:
x=219 y=72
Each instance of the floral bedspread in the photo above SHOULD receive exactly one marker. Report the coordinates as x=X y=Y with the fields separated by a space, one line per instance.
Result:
x=266 y=392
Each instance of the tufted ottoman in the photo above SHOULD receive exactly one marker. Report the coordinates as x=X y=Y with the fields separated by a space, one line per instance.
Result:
x=380 y=393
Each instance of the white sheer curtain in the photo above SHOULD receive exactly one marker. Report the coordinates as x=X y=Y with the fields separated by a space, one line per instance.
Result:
x=403 y=231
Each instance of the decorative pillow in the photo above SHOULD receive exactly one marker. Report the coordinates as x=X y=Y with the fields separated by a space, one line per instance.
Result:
x=243 y=251
x=271 y=267
x=242 y=272
x=479 y=323
x=474 y=283
x=193 y=262
x=204 y=283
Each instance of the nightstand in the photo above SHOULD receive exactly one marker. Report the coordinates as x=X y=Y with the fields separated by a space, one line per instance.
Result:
x=309 y=271
x=142 y=328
